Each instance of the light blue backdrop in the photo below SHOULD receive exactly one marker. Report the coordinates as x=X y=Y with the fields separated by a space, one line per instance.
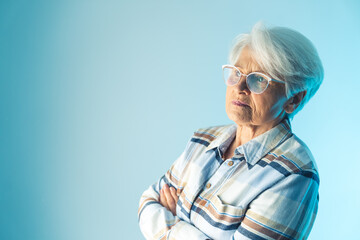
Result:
x=99 y=97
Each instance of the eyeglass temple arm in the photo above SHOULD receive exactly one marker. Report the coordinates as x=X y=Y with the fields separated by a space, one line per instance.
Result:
x=275 y=80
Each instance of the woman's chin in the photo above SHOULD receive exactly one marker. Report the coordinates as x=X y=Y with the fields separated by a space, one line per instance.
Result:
x=240 y=119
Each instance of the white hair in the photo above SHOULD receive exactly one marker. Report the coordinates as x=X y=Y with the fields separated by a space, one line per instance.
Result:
x=284 y=54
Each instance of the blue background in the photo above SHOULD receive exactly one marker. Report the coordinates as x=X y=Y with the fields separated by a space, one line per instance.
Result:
x=99 y=97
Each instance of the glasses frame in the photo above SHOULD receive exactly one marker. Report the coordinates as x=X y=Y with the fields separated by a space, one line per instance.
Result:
x=268 y=79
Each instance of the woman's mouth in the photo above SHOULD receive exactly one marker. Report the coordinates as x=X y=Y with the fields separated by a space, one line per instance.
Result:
x=240 y=103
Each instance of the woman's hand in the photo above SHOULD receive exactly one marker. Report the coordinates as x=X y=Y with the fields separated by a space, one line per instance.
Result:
x=169 y=198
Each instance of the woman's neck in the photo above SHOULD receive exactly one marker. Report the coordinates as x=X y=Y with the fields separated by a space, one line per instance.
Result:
x=245 y=133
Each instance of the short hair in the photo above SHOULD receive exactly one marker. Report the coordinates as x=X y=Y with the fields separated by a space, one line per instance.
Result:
x=284 y=54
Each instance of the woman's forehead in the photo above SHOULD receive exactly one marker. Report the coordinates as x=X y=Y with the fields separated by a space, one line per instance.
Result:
x=246 y=61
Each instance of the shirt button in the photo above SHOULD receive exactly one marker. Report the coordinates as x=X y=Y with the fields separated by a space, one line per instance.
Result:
x=230 y=163
x=208 y=185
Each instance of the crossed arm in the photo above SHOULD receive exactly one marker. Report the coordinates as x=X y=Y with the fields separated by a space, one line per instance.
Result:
x=296 y=208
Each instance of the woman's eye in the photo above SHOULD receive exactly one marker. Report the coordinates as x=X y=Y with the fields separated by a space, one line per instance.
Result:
x=260 y=79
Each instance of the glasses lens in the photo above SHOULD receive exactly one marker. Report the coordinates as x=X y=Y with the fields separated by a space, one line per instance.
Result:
x=256 y=83
x=231 y=76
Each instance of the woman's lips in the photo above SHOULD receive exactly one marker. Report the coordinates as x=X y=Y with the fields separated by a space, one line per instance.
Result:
x=240 y=103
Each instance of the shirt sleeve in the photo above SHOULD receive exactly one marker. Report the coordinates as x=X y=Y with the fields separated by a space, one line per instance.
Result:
x=287 y=210
x=155 y=221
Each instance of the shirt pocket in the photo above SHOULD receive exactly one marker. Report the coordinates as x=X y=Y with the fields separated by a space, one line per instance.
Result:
x=226 y=215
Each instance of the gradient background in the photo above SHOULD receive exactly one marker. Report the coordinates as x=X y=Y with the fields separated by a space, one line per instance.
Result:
x=99 y=97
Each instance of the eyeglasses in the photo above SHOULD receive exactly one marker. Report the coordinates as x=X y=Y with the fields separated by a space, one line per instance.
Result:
x=255 y=81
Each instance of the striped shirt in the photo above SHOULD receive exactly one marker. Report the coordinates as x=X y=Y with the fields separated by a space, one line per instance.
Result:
x=267 y=190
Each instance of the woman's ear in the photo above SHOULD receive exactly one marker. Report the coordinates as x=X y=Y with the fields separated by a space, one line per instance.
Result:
x=293 y=102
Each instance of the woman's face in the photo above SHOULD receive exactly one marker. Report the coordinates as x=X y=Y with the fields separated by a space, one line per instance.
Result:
x=245 y=108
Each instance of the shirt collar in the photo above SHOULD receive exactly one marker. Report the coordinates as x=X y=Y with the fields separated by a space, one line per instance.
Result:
x=228 y=132
x=258 y=147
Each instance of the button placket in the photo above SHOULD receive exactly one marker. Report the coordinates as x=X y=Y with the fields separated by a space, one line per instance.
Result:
x=226 y=167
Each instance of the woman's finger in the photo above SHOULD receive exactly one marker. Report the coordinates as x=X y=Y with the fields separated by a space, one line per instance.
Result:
x=173 y=194
x=170 y=201
x=163 y=201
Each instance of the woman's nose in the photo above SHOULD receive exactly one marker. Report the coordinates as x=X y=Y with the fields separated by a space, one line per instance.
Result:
x=242 y=85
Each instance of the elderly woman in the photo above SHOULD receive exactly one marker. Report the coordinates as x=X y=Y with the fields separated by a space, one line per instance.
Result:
x=254 y=179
